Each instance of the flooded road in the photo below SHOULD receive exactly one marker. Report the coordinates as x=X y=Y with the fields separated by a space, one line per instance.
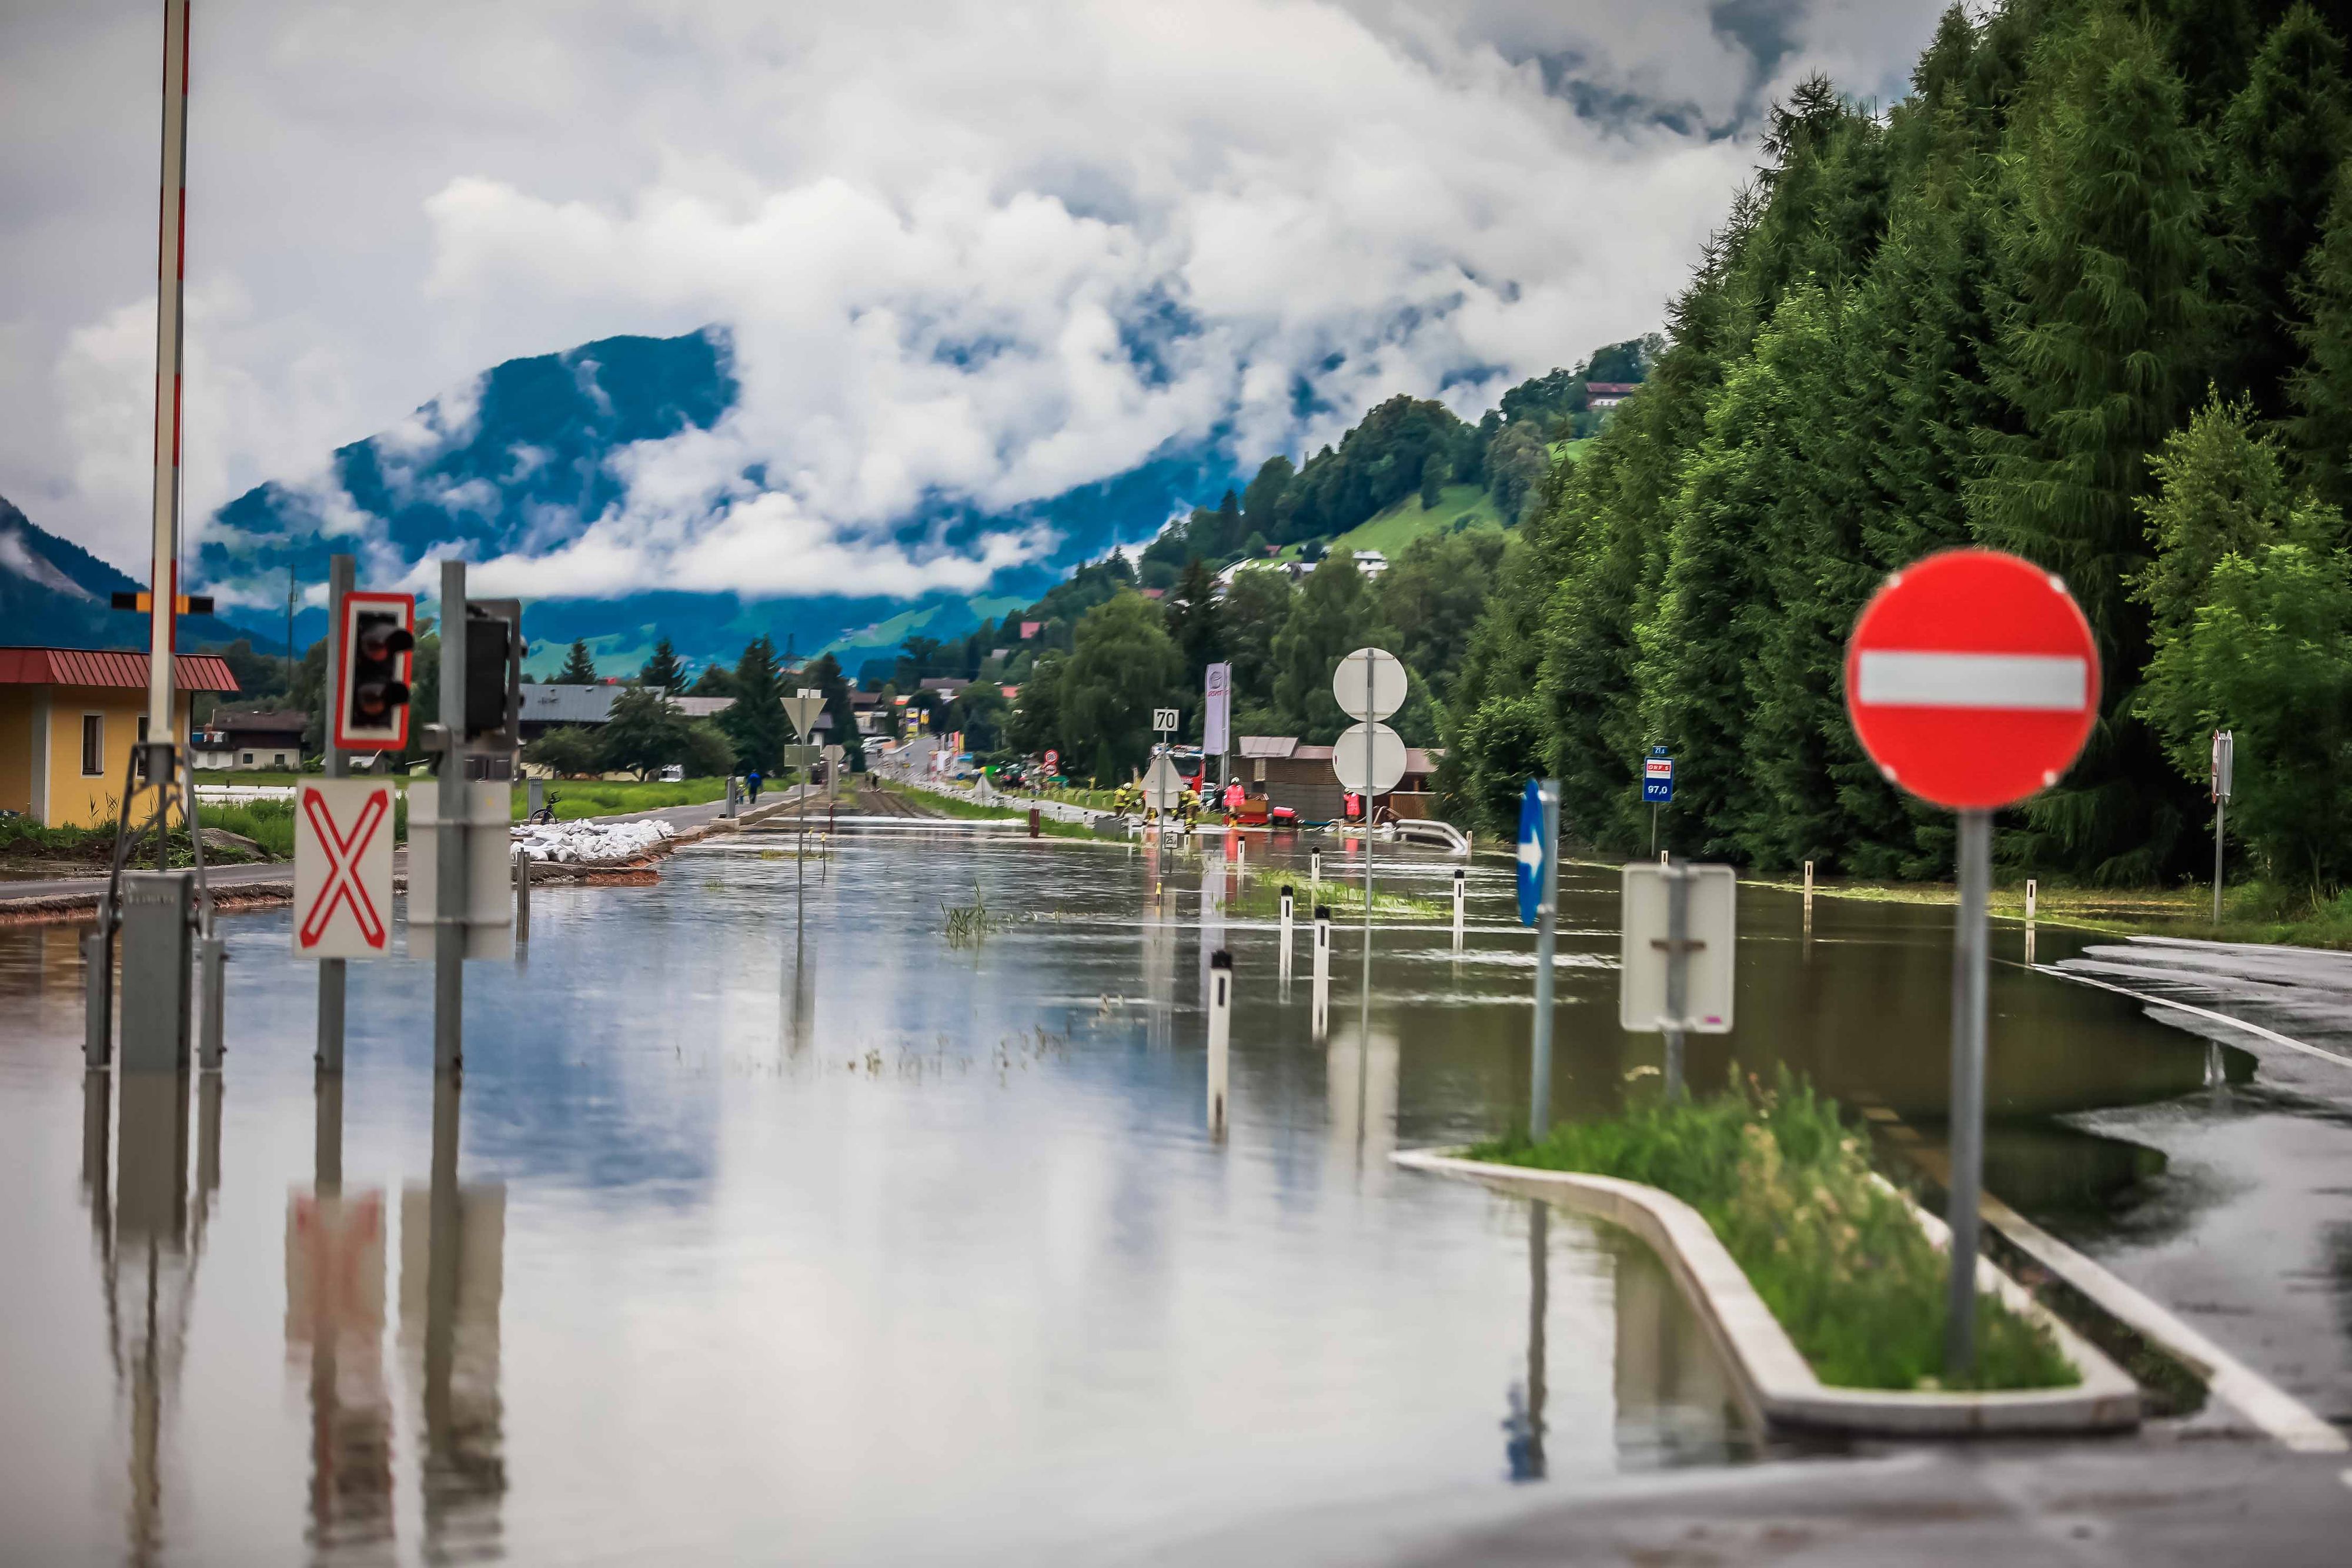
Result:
x=832 y=1239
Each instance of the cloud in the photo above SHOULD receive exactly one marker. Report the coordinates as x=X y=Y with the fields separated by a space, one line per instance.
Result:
x=971 y=254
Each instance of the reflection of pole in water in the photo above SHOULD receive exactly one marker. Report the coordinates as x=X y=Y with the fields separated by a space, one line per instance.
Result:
x=452 y=1241
x=334 y=1309
x=150 y=1216
x=804 y=994
x=1523 y=1449
x=1212 y=911
x=1159 y=978
x=1322 y=1003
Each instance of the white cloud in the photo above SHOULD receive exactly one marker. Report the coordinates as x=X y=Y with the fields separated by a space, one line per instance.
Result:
x=933 y=231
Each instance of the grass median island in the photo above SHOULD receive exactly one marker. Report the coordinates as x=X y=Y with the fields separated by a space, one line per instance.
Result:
x=1261 y=894
x=1838 y=1258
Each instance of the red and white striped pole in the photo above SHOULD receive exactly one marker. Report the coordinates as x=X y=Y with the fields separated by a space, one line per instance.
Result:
x=163 y=582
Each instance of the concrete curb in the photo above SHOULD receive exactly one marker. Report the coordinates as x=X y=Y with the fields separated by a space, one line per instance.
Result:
x=1776 y=1386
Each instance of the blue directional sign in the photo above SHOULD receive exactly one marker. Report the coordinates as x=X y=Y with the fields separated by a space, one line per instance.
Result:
x=1657 y=780
x=1533 y=855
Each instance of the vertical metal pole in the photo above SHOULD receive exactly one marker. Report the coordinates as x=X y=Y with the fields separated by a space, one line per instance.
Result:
x=1368 y=723
x=2221 y=815
x=1677 y=973
x=1966 y=1124
x=163 y=581
x=1653 y=829
x=212 y=960
x=342 y=573
x=97 y=995
x=450 y=833
x=1221 y=1034
x=522 y=900
x=1546 y=934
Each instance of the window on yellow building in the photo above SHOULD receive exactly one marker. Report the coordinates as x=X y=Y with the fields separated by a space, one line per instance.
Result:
x=93 y=745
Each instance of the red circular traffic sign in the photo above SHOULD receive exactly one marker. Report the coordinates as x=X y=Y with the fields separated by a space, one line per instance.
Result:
x=1971 y=679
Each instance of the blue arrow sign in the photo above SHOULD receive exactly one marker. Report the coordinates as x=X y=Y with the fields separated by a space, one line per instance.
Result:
x=1533 y=855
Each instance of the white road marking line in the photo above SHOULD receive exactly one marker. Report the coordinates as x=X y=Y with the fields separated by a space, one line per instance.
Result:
x=2028 y=682
x=2253 y=1028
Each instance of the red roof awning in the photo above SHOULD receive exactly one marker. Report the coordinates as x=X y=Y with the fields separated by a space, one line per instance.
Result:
x=92 y=667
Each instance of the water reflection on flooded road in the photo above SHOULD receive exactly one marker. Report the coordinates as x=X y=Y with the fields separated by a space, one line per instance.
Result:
x=834 y=1242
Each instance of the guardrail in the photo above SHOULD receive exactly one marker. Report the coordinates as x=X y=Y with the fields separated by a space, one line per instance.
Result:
x=240 y=794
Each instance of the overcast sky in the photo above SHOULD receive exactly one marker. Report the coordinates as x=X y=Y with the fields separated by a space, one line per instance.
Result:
x=930 y=228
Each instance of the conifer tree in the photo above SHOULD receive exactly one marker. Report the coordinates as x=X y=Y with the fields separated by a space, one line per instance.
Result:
x=2320 y=389
x=2104 y=262
x=663 y=671
x=756 y=722
x=1331 y=617
x=578 y=667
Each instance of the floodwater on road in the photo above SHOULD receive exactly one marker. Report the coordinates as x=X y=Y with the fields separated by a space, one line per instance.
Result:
x=755 y=1233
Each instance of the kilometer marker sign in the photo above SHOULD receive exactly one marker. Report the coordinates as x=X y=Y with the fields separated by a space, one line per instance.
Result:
x=1972 y=679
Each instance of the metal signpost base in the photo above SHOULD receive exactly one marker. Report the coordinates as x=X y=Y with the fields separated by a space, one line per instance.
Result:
x=1547 y=931
x=1967 y=1123
x=158 y=923
x=449 y=836
x=342 y=573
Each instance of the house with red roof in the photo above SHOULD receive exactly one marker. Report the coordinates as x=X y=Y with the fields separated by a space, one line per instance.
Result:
x=68 y=717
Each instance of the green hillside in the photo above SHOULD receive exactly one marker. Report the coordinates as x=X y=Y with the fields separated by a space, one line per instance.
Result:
x=1459 y=507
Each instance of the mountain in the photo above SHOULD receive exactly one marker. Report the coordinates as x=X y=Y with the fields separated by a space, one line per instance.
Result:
x=56 y=594
x=522 y=461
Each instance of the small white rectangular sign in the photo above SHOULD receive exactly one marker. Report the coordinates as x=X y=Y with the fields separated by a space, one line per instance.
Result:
x=1711 y=931
x=489 y=869
x=1657 y=768
x=1163 y=718
x=2024 y=683
x=342 y=868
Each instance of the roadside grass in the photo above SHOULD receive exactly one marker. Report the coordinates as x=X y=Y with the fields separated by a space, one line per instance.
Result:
x=24 y=842
x=1261 y=894
x=572 y=799
x=973 y=811
x=269 y=823
x=2251 y=911
x=1837 y=1257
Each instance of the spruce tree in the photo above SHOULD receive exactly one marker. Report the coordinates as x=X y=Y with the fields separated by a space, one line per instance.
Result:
x=2320 y=388
x=663 y=671
x=2280 y=143
x=756 y=722
x=2104 y=261
x=579 y=668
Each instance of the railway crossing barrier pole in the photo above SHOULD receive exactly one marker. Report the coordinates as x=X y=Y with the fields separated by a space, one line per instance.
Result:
x=1322 y=1005
x=1461 y=892
x=1221 y=1034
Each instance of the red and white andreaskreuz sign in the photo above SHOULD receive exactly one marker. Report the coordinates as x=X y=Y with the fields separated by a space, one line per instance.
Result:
x=342 y=868
x=1972 y=679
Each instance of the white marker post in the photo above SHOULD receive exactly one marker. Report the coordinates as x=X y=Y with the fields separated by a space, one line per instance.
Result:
x=1461 y=888
x=2225 y=778
x=1221 y=1034
x=1288 y=899
x=1322 y=970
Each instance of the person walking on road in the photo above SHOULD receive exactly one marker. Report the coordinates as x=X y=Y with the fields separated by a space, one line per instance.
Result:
x=752 y=783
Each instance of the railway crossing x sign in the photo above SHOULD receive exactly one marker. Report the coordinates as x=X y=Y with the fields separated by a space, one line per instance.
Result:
x=342 y=868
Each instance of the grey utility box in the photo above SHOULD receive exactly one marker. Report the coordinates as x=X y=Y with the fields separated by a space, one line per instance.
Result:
x=158 y=937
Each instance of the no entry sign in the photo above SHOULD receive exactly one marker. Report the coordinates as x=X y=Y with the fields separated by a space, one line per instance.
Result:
x=342 y=868
x=1972 y=679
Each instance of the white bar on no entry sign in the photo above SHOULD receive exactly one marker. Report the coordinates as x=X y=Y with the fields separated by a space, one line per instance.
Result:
x=2038 y=682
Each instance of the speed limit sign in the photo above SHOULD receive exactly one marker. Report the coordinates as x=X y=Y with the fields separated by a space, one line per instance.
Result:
x=1163 y=718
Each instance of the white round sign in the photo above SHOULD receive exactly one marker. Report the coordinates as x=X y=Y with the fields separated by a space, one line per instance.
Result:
x=1375 y=774
x=1370 y=684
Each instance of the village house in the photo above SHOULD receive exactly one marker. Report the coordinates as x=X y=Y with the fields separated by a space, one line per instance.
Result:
x=68 y=717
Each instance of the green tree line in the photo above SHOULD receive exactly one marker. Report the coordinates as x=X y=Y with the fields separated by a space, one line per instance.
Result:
x=2085 y=295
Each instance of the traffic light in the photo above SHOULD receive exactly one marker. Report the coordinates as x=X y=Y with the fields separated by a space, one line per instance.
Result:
x=372 y=664
x=493 y=667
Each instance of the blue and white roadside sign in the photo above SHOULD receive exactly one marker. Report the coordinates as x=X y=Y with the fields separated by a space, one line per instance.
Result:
x=1657 y=780
x=1532 y=854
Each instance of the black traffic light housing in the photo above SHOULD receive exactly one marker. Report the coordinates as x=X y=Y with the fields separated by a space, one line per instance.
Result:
x=375 y=646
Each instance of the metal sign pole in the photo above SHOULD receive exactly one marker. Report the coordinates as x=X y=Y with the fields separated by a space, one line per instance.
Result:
x=342 y=573
x=1370 y=727
x=1547 y=930
x=1967 y=1134
x=450 y=833
x=1678 y=945
x=2225 y=770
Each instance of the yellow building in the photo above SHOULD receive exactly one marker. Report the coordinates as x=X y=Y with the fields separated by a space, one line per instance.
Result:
x=68 y=717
